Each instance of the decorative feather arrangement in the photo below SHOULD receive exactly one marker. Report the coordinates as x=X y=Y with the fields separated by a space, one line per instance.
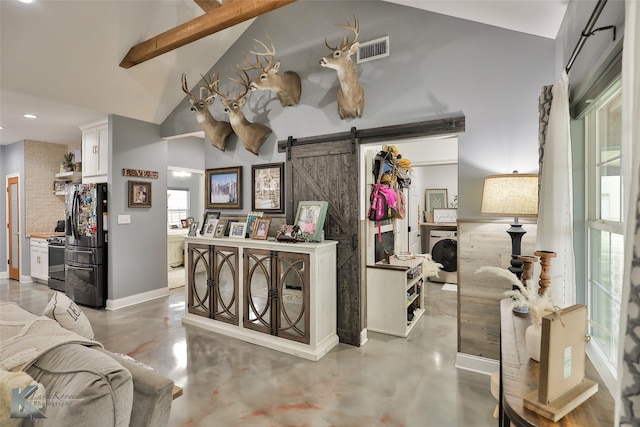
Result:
x=524 y=296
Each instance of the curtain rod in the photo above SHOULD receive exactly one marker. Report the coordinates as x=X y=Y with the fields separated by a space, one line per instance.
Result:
x=589 y=31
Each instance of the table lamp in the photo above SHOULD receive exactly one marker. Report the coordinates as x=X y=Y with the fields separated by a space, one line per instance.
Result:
x=515 y=195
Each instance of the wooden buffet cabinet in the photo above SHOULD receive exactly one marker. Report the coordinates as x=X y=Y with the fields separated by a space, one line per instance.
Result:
x=278 y=295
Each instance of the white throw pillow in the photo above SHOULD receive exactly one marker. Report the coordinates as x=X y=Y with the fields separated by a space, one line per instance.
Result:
x=67 y=313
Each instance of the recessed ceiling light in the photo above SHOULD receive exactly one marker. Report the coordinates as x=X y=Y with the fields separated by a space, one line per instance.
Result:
x=26 y=1
x=1 y=128
x=30 y=116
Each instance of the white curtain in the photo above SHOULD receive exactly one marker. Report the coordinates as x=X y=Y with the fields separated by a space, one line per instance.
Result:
x=555 y=215
x=628 y=406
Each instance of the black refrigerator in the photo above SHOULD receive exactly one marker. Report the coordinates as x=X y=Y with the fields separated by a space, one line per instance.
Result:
x=86 y=244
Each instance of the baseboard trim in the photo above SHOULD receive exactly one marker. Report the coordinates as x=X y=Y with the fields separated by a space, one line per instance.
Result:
x=116 y=304
x=480 y=365
x=364 y=336
x=4 y=274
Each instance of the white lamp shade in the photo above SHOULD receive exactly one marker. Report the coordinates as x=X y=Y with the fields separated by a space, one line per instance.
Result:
x=514 y=194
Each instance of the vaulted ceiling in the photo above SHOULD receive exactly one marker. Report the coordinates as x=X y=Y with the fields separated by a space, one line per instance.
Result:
x=61 y=60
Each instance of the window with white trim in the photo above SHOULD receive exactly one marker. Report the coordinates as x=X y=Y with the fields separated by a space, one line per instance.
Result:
x=177 y=206
x=605 y=223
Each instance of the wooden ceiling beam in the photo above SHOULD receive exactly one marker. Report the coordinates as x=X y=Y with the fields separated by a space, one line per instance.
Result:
x=225 y=16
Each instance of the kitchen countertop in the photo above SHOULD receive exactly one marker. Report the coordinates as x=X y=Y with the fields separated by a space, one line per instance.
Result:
x=45 y=235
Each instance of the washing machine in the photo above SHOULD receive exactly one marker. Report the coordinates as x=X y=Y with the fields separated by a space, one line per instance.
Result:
x=443 y=247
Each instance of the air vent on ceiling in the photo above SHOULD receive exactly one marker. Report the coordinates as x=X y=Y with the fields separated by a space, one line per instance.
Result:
x=374 y=49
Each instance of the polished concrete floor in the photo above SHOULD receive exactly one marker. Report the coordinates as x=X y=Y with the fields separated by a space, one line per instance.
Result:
x=388 y=381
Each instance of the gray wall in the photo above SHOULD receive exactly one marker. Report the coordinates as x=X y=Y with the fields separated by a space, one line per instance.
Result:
x=137 y=251
x=187 y=152
x=12 y=162
x=437 y=65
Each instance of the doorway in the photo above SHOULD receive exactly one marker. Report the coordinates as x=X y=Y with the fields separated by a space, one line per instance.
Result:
x=13 y=226
x=185 y=199
x=435 y=165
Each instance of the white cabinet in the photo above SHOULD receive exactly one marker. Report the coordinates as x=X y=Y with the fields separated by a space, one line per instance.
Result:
x=175 y=250
x=218 y=301
x=95 y=152
x=395 y=296
x=39 y=259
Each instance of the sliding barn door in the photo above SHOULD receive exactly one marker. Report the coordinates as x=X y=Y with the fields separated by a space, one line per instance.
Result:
x=329 y=171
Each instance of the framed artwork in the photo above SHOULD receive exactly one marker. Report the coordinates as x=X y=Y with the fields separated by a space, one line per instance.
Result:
x=267 y=188
x=310 y=218
x=220 y=228
x=206 y=217
x=435 y=198
x=445 y=215
x=261 y=229
x=59 y=186
x=185 y=223
x=223 y=188
x=251 y=218
x=193 y=229
x=210 y=227
x=237 y=229
x=139 y=194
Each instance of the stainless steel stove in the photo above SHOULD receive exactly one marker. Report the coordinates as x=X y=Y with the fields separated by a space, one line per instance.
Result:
x=56 y=263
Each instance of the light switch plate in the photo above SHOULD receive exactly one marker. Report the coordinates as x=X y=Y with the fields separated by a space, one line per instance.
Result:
x=124 y=219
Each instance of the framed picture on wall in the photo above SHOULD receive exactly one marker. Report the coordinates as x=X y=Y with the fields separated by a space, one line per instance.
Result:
x=435 y=198
x=267 y=188
x=139 y=194
x=223 y=188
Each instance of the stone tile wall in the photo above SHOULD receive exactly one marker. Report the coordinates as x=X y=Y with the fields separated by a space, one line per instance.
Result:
x=42 y=208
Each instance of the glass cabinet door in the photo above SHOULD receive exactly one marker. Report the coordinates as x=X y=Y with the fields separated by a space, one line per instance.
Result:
x=225 y=284
x=258 y=291
x=276 y=289
x=200 y=278
x=293 y=296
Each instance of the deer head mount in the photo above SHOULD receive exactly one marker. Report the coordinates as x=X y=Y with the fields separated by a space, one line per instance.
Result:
x=252 y=135
x=216 y=131
x=350 y=92
x=287 y=85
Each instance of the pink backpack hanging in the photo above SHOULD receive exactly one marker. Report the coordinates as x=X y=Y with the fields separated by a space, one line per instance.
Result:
x=384 y=203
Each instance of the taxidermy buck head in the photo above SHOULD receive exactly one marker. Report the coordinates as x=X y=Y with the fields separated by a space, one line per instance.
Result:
x=350 y=92
x=287 y=85
x=252 y=135
x=216 y=131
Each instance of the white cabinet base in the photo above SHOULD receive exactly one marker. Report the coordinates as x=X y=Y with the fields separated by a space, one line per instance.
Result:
x=39 y=260
x=387 y=299
x=274 y=343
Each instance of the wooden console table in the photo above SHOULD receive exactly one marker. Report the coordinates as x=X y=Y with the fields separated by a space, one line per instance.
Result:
x=519 y=376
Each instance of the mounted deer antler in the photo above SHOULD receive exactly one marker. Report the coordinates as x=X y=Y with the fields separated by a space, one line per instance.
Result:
x=216 y=131
x=287 y=85
x=350 y=93
x=252 y=135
